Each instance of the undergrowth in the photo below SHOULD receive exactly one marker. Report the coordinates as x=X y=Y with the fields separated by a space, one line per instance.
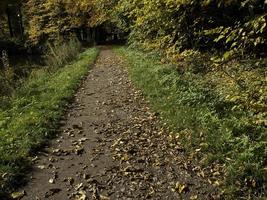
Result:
x=217 y=130
x=61 y=54
x=32 y=113
x=54 y=56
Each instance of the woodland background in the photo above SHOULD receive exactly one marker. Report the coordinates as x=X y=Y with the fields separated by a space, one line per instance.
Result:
x=217 y=48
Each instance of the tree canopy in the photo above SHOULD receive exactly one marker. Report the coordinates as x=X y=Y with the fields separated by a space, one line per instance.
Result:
x=174 y=25
x=179 y=24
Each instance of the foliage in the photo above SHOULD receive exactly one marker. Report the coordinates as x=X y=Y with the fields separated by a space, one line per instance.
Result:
x=32 y=115
x=181 y=25
x=209 y=119
x=47 y=19
x=239 y=26
x=4 y=26
x=53 y=19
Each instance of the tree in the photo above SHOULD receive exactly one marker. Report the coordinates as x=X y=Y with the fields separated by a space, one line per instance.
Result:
x=46 y=20
x=11 y=19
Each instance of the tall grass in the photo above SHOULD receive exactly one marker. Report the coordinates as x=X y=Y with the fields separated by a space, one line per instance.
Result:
x=55 y=56
x=60 y=54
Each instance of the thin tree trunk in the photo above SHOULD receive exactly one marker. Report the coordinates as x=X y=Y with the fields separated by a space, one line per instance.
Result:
x=9 y=22
x=21 y=23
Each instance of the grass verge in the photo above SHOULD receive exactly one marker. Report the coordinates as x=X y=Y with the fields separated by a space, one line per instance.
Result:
x=228 y=144
x=32 y=114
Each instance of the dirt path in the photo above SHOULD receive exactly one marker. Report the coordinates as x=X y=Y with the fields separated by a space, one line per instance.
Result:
x=112 y=147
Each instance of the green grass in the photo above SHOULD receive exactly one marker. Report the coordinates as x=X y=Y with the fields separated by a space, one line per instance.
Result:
x=32 y=114
x=204 y=120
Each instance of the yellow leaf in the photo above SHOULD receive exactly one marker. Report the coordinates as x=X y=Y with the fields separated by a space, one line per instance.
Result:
x=18 y=195
x=180 y=187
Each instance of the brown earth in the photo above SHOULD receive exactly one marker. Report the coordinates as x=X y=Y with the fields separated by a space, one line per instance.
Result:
x=112 y=146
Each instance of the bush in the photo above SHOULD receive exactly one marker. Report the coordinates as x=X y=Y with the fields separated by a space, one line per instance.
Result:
x=196 y=24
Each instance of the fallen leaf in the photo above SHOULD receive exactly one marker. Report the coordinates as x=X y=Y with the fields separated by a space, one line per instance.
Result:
x=51 y=180
x=18 y=195
x=216 y=183
x=41 y=166
x=81 y=195
x=83 y=139
x=95 y=195
x=194 y=197
x=180 y=187
x=78 y=187
x=78 y=150
x=104 y=197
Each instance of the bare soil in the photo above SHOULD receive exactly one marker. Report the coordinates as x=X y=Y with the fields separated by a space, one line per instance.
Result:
x=112 y=146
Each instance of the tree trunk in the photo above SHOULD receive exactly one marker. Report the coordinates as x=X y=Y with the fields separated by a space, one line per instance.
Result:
x=9 y=23
x=21 y=23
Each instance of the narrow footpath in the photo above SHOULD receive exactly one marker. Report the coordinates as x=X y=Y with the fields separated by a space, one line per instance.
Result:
x=112 y=146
